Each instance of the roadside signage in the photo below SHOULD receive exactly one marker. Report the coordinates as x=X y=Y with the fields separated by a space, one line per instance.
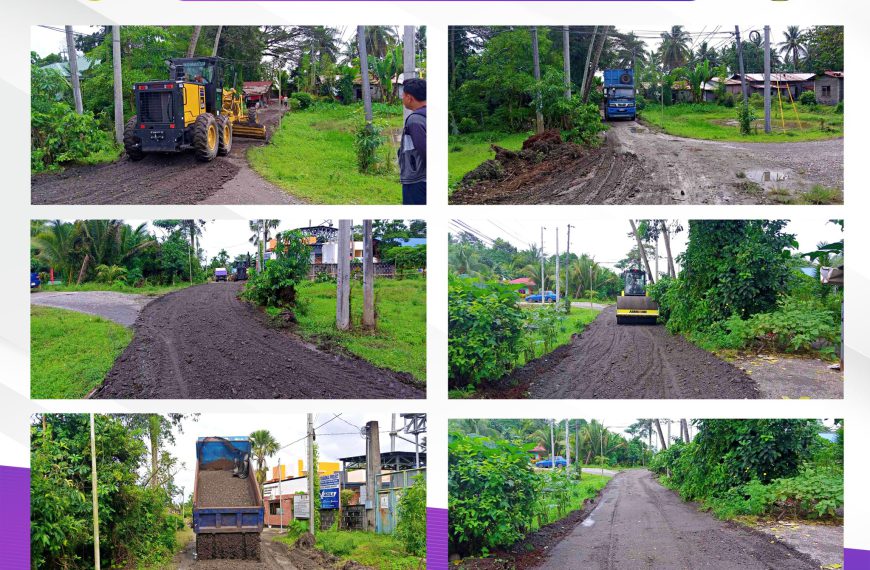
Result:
x=300 y=507
x=329 y=491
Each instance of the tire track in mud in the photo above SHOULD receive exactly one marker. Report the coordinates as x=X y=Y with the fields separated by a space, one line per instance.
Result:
x=613 y=361
x=203 y=342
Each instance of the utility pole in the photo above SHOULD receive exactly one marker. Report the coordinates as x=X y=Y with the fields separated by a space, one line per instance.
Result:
x=567 y=450
x=368 y=316
x=558 y=281
x=280 y=495
x=740 y=66
x=539 y=116
x=588 y=61
x=116 y=78
x=568 y=271
x=311 y=473
x=182 y=505
x=364 y=73
x=94 y=495
x=393 y=434
x=542 y=266
x=410 y=59
x=767 y=79
x=566 y=61
x=373 y=471
x=342 y=309
x=73 y=64
x=552 y=444
x=657 y=257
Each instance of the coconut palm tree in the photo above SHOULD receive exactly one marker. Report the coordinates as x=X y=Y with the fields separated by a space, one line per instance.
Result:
x=263 y=445
x=793 y=46
x=260 y=238
x=674 y=49
x=55 y=245
x=630 y=51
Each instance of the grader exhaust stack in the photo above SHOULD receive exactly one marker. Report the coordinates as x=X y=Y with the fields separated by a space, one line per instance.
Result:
x=634 y=306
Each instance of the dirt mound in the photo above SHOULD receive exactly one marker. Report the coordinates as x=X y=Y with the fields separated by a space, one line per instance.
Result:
x=549 y=170
x=221 y=489
x=306 y=540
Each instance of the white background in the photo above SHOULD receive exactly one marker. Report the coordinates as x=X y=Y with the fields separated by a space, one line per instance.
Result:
x=14 y=80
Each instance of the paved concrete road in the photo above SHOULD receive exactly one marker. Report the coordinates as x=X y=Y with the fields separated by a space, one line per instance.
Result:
x=123 y=308
x=638 y=524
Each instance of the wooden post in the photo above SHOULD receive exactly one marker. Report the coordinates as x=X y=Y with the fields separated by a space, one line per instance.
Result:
x=116 y=79
x=94 y=496
x=368 y=318
x=364 y=73
x=342 y=309
x=73 y=64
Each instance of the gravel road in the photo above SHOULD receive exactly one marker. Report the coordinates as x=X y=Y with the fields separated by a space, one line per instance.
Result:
x=631 y=361
x=203 y=342
x=640 y=524
x=122 y=308
x=166 y=179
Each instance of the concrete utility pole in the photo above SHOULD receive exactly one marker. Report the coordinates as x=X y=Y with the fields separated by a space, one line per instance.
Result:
x=588 y=61
x=740 y=65
x=539 y=116
x=567 y=450
x=393 y=434
x=342 y=309
x=312 y=473
x=409 y=57
x=116 y=78
x=280 y=496
x=558 y=281
x=767 y=79
x=543 y=279
x=368 y=317
x=373 y=471
x=566 y=60
x=364 y=73
x=657 y=257
x=567 y=271
x=94 y=496
x=73 y=63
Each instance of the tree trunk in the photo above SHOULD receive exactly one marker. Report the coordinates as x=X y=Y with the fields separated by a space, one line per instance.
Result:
x=595 y=60
x=539 y=117
x=666 y=233
x=642 y=251
x=364 y=73
x=658 y=425
x=83 y=269
x=684 y=426
x=154 y=436
x=588 y=61
x=73 y=69
x=217 y=40
x=194 y=39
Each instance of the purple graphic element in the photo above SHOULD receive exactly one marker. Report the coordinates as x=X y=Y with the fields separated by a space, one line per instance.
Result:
x=436 y=539
x=856 y=559
x=15 y=522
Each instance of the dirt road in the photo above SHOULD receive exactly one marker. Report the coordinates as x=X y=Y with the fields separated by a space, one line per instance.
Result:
x=166 y=179
x=274 y=556
x=203 y=342
x=121 y=308
x=792 y=377
x=630 y=361
x=640 y=524
x=637 y=165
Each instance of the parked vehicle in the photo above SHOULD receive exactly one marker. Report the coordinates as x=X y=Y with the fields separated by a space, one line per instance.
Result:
x=619 y=94
x=549 y=297
x=228 y=511
x=548 y=463
x=220 y=274
x=35 y=281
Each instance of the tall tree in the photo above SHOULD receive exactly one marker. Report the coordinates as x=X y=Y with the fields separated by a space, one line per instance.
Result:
x=642 y=251
x=194 y=39
x=792 y=46
x=263 y=446
x=675 y=47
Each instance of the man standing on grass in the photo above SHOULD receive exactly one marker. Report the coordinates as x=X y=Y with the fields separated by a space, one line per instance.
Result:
x=412 y=149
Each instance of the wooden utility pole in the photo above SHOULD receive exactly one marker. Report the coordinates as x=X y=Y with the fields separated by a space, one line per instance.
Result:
x=409 y=58
x=116 y=78
x=588 y=60
x=73 y=63
x=566 y=62
x=217 y=40
x=342 y=309
x=194 y=39
x=312 y=473
x=740 y=65
x=364 y=73
x=539 y=116
x=373 y=471
x=94 y=496
x=767 y=79
x=368 y=317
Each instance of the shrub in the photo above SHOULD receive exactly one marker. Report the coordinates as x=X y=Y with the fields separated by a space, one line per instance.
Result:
x=814 y=493
x=276 y=284
x=111 y=274
x=727 y=100
x=756 y=101
x=585 y=124
x=839 y=108
x=807 y=98
x=58 y=135
x=745 y=116
x=303 y=100
x=467 y=125
x=411 y=530
x=367 y=141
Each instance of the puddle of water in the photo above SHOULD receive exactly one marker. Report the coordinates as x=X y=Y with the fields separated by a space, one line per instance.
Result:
x=761 y=176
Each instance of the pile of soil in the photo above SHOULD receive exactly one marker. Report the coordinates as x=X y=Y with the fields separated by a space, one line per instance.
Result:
x=549 y=170
x=221 y=489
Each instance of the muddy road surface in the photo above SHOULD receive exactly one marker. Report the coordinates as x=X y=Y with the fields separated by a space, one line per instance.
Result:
x=203 y=342
x=629 y=361
x=638 y=524
x=273 y=556
x=122 y=308
x=166 y=179
x=639 y=165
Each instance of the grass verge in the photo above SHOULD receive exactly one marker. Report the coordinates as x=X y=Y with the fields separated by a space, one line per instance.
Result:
x=381 y=551
x=714 y=122
x=70 y=352
x=399 y=343
x=467 y=152
x=149 y=290
x=312 y=156
x=587 y=488
x=574 y=322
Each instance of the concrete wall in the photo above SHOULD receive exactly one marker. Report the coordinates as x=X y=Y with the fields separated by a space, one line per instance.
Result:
x=835 y=87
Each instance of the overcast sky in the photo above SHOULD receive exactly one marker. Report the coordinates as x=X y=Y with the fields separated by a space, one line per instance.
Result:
x=336 y=437
x=608 y=242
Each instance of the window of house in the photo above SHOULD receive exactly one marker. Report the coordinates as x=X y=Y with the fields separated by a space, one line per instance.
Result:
x=826 y=90
x=273 y=507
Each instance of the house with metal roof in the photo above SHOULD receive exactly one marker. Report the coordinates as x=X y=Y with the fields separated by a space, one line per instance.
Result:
x=829 y=87
x=785 y=83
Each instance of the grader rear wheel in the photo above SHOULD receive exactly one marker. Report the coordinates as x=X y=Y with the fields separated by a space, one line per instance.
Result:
x=205 y=137
x=226 y=136
x=132 y=144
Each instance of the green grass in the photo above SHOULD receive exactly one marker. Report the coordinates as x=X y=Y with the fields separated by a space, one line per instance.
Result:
x=381 y=551
x=71 y=352
x=714 y=122
x=399 y=343
x=551 y=511
x=149 y=290
x=574 y=322
x=467 y=152
x=312 y=156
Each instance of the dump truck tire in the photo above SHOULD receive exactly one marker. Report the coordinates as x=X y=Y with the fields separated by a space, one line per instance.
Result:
x=225 y=127
x=206 y=138
x=131 y=142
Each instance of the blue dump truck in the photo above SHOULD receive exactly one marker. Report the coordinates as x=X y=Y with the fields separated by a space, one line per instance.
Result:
x=619 y=94
x=227 y=507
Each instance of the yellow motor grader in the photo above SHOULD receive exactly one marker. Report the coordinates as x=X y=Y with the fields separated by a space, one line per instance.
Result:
x=191 y=111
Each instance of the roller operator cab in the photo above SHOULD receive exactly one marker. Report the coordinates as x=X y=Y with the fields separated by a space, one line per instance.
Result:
x=634 y=305
x=619 y=94
x=182 y=113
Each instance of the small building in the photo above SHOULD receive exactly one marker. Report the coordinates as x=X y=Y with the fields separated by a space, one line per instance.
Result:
x=794 y=83
x=538 y=453
x=829 y=88
x=62 y=67
x=411 y=242
x=257 y=92
x=527 y=285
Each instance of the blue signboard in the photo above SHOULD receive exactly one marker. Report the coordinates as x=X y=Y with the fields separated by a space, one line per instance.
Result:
x=329 y=495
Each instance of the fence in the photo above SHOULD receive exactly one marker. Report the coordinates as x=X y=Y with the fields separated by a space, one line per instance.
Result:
x=331 y=269
x=390 y=488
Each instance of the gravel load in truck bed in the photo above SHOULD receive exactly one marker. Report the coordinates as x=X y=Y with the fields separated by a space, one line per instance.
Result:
x=221 y=489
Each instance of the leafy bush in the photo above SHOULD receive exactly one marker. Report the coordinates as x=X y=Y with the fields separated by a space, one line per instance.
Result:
x=467 y=125
x=756 y=101
x=406 y=257
x=727 y=100
x=807 y=98
x=367 y=141
x=585 y=124
x=111 y=274
x=493 y=492
x=303 y=100
x=839 y=108
x=485 y=327
x=276 y=284
x=411 y=529
x=745 y=116
x=815 y=493
x=58 y=136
